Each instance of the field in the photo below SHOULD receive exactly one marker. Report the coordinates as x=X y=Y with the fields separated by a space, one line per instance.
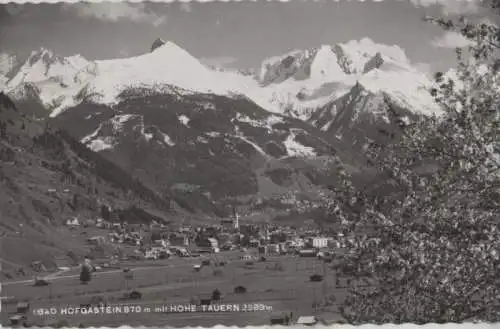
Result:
x=281 y=284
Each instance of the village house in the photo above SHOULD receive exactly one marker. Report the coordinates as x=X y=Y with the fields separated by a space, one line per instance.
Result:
x=208 y=243
x=227 y=224
x=97 y=240
x=88 y=222
x=179 y=251
x=273 y=249
x=211 y=230
x=247 y=257
x=282 y=247
x=151 y=254
x=38 y=266
x=185 y=228
x=246 y=229
x=253 y=243
x=225 y=238
x=160 y=243
x=101 y=223
x=115 y=237
x=295 y=243
x=333 y=243
x=308 y=253
x=73 y=222
x=135 y=227
x=114 y=217
x=179 y=240
x=318 y=242
x=213 y=243
x=155 y=226
x=307 y=320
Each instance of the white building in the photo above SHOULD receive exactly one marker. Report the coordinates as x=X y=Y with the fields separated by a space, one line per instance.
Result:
x=307 y=320
x=319 y=242
x=73 y=222
x=160 y=243
x=213 y=242
x=273 y=248
x=247 y=257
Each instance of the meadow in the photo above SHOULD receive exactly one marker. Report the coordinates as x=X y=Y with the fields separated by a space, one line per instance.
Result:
x=281 y=284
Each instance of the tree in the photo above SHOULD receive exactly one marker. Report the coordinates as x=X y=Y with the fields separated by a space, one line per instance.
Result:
x=85 y=274
x=72 y=256
x=75 y=201
x=216 y=294
x=105 y=213
x=436 y=202
x=3 y=130
x=245 y=240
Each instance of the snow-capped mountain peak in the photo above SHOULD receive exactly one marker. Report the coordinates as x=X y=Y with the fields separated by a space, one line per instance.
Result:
x=358 y=53
x=41 y=54
x=49 y=57
x=325 y=63
x=170 y=52
x=157 y=43
x=44 y=64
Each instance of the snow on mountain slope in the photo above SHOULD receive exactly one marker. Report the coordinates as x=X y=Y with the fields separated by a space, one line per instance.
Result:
x=355 y=55
x=408 y=88
x=8 y=63
x=168 y=64
x=49 y=78
x=3 y=81
x=279 y=68
x=362 y=115
x=325 y=64
x=106 y=136
x=44 y=65
x=295 y=148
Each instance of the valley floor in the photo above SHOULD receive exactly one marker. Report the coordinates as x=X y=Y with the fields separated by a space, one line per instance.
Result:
x=283 y=288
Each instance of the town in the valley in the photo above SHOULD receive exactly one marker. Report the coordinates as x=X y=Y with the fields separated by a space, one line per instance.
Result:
x=229 y=272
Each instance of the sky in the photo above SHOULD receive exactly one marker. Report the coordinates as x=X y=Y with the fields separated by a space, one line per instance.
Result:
x=232 y=34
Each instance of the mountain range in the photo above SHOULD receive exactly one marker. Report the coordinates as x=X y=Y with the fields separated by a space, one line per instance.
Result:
x=257 y=138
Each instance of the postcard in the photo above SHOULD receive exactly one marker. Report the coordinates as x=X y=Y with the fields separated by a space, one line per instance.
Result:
x=252 y=163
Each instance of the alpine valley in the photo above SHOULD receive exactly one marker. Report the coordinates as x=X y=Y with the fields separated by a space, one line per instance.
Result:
x=214 y=138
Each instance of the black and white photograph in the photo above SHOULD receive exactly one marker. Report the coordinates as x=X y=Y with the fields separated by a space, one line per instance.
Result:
x=251 y=163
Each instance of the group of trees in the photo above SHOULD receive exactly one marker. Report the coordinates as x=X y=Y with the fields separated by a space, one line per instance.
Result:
x=85 y=274
x=437 y=203
x=110 y=172
x=55 y=140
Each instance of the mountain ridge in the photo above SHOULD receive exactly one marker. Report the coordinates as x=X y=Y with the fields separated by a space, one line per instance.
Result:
x=301 y=80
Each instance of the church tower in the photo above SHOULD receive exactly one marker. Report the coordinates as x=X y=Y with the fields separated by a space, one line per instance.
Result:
x=236 y=219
